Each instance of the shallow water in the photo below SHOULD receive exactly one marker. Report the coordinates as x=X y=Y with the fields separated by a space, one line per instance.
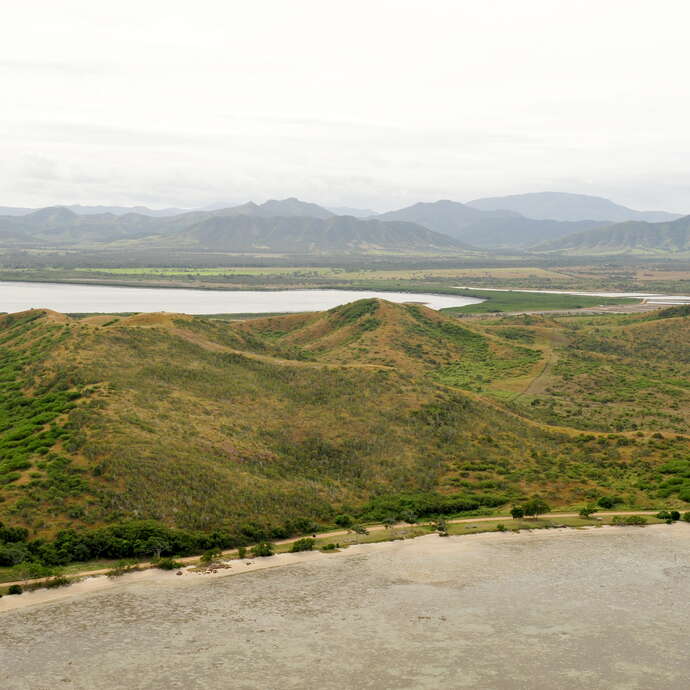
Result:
x=604 y=608
x=66 y=298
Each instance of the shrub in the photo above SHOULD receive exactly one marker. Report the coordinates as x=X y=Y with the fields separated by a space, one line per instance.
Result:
x=15 y=589
x=517 y=512
x=629 y=520
x=329 y=547
x=536 y=506
x=663 y=515
x=343 y=521
x=304 y=544
x=263 y=549
x=241 y=551
x=675 y=515
x=587 y=511
x=168 y=563
x=210 y=555
x=686 y=516
x=609 y=502
x=500 y=527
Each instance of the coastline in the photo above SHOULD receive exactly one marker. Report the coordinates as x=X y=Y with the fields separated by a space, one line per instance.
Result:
x=94 y=584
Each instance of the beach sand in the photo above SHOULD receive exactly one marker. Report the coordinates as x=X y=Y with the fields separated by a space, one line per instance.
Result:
x=597 y=608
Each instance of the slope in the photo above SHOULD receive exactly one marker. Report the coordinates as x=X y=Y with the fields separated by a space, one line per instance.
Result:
x=626 y=238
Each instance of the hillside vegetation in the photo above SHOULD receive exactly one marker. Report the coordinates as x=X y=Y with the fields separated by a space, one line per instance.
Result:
x=634 y=237
x=204 y=424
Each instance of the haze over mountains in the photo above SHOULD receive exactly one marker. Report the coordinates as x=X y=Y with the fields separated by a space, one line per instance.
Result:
x=540 y=222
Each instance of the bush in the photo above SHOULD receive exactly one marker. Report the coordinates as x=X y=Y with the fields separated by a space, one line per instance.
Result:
x=536 y=506
x=168 y=563
x=609 y=502
x=343 y=521
x=629 y=520
x=263 y=549
x=587 y=511
x=517 y=512
x=500 y=527
x=686 y=516
x=675 y=515
x=241 y=552
x=210 y=555
x=329 y=547
x=15 y=589
x=663 y=515
x=305 y=544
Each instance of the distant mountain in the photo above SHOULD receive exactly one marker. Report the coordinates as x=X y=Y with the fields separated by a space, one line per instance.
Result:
x=286 y=226
x=567 y=207
x=521 y=233
x=449 y=217
x=335 y=234
x=348 y=211
x=15 y=210
x=630 y=237
x=284 y=208
x=58 y=226
x=97 y=210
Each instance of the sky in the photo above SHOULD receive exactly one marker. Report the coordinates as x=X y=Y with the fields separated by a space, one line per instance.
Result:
x=367 y=103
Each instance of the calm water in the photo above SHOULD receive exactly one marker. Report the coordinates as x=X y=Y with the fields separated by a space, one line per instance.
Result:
x=104 y=298
x=647 y=296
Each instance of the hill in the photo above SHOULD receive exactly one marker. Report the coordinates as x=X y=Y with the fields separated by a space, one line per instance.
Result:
x=448 y=217
x=488 y=229
x=567 y=207
x=626 y=238
x=335 y=234
x=520 y=233
x=206 y=424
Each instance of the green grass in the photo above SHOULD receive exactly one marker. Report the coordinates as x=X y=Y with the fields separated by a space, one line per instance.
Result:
x=499 y=301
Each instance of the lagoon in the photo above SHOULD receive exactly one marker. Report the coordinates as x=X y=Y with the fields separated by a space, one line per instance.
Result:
x=74 y=298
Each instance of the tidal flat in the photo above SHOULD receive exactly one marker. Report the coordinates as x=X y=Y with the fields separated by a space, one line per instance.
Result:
x=595 y=608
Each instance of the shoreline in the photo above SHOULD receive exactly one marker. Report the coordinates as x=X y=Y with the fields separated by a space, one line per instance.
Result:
x=92 y=584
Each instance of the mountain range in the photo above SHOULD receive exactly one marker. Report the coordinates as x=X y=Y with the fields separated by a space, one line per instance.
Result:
x=567 y=207
x=559 y=223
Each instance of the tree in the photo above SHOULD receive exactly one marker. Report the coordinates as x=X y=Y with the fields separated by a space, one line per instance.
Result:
x=535 y=507
x=388 y=522
x=517 y=512
x=357 y=530
x=409 y=517
x=587 y=511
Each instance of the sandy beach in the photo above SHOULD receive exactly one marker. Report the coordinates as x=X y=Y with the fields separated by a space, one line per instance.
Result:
x=604 y=607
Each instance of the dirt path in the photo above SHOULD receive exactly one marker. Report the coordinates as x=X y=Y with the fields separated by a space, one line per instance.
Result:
x=323 y=535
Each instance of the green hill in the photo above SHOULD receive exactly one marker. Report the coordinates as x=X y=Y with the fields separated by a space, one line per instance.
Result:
x=633 y=237
x=205 y=424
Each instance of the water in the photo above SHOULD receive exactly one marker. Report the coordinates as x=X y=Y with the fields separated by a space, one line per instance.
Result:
x=69 y=299
x=652 y=297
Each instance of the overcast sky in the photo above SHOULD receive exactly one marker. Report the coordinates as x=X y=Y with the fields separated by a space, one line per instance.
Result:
x=374 y=103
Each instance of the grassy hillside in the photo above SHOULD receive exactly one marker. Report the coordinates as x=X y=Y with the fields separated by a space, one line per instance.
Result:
x=204 y=424
x=633 y=237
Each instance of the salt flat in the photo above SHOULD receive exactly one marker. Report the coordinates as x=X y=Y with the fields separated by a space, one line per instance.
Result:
x=599 y=608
